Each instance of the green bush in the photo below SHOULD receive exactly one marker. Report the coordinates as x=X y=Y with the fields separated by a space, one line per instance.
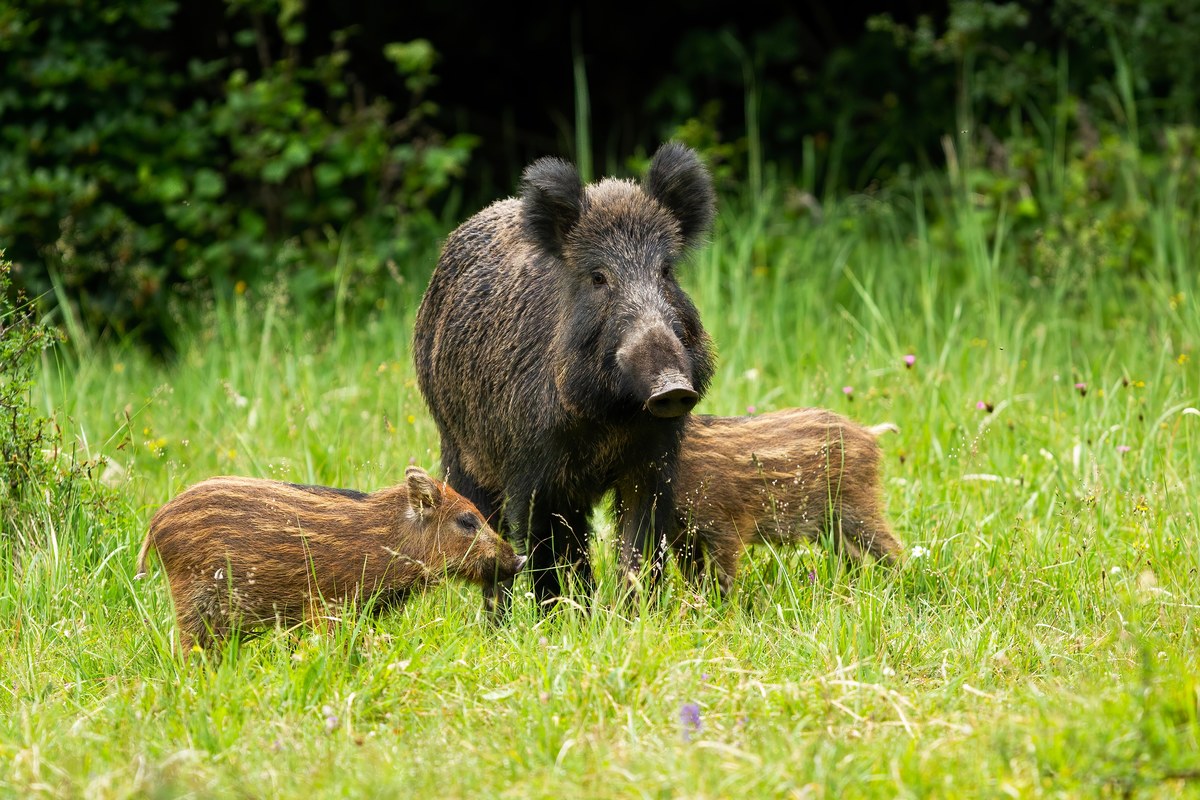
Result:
x=46 y=487
x=1049 y=152
x=36 y=471
x=25 y=437
x=128 y=178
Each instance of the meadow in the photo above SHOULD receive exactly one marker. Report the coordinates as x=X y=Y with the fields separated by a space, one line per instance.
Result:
x=1040 y=641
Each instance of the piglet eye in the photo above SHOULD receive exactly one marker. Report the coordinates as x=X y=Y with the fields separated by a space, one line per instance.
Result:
x=468 y=521
x=598 y=278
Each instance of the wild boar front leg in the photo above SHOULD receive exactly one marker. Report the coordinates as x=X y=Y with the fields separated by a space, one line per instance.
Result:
x=645 y=509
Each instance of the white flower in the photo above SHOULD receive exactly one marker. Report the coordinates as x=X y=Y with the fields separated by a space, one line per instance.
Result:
x=1115 y=571
x=919 y=552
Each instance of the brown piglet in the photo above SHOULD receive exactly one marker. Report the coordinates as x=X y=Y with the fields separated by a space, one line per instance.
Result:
x=778 y=478
x=251 y=553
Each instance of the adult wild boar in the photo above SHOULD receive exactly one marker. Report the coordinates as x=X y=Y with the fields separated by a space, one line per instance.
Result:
x=560 y=357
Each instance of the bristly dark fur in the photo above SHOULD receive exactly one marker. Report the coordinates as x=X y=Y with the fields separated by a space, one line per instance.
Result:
x=788 y=476
x=353 y=494
x=250 y=553
x=546 y=327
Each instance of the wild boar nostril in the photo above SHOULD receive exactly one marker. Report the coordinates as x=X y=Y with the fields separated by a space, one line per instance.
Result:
x=672 y=402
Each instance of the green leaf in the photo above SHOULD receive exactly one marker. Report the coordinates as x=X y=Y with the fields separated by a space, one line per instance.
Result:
x=208 y=184
x=275 y=171
x=171 y=187
x=1027 y=207
x=412 y=57
x=327 y=175
x=297 y=153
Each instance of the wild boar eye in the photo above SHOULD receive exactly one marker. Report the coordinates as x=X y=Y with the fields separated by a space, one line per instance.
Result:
x=599 y=278
x=468 y=521
x=666 y=272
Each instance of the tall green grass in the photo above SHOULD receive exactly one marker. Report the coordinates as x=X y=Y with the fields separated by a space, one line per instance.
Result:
x=1040 y=641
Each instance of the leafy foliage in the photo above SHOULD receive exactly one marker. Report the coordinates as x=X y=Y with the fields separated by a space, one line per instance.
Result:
x=22 y=429
x=859 y=114
x=126 y=179
x=36 y=472
x=143 y=167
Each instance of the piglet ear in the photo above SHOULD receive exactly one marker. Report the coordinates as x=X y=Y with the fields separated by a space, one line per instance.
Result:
x=424 y=493
x=552 y=201
x=678 y=180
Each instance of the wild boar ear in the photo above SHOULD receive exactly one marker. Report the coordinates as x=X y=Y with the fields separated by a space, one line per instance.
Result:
x=678 y=180
x=551 y=202
x=424 y=493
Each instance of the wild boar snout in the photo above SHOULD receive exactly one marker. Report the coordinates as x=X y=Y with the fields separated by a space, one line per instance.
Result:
x=658 y=367
x=671 y=395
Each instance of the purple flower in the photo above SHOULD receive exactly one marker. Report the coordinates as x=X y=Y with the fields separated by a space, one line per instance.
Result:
x=689 y=719
x=984 y=405
x=750 y=410
x=812 y=576
x=1123 y=448
x=1082 y=389
x=848 y=391
x=909 y=360
x=331 y=720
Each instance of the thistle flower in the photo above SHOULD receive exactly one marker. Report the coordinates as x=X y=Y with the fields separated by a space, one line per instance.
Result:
x=1081 y=388
x=909 y=360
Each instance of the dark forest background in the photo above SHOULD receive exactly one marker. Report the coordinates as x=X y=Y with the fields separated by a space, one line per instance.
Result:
x=153 y=152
